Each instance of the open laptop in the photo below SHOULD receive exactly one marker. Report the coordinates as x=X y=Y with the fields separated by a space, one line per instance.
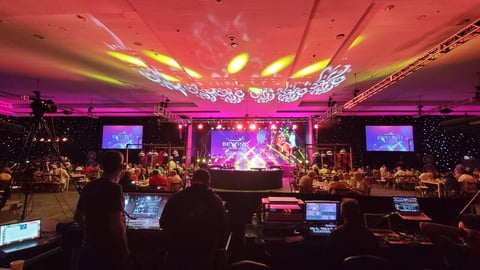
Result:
x=321 y=217
x=379 y=225
x=144 y=209
x=19 y=236
x=409 y=209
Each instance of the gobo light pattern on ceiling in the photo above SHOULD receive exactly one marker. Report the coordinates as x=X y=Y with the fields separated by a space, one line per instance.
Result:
x=231 y=91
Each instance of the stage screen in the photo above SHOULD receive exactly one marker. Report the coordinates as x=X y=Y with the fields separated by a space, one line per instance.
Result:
x=117 y=137
x=389 y=138
x=255 y=149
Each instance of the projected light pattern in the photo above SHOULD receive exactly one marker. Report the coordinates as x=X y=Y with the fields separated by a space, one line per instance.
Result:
x=254 y=148
x=233 y=91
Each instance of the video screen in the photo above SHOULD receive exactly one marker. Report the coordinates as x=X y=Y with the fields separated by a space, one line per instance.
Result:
x=144 y=209
x=118 y=137
x=406 y=204
x=256 y=149
x=321 y=211
x=389 y=138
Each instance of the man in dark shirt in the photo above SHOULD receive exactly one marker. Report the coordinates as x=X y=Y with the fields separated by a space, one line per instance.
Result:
x=351 y=238
x=100 y=214
x=194 y=220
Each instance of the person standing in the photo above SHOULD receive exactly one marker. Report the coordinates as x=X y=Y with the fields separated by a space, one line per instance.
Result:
x=194 y=221
x=100 y=214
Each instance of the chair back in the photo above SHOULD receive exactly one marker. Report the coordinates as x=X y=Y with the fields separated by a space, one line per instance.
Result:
x=248 y=265
x=365 y=262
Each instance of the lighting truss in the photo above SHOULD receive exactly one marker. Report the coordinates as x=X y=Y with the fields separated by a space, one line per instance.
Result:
x=331 y=112
x=168 y=116
x=467 y=33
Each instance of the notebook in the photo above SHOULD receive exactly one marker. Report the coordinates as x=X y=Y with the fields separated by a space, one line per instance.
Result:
x=409 y=209
x=321 y=217
x=20 y=235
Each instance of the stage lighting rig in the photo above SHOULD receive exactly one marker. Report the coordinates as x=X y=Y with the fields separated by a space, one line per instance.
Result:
x=41 y=106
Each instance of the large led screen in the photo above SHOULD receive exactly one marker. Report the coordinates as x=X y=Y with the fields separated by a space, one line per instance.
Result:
x=389 y=138
x=255 y=149
x=118 y=137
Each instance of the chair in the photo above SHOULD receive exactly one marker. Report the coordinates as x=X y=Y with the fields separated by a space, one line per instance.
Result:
x=422 y=189
x=369 y=262
x=248 y=265
x=294 y=187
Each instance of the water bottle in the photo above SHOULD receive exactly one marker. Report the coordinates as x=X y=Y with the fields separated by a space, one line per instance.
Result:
x=254 y=219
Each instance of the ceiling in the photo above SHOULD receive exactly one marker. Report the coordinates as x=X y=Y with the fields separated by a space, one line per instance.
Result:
x=225 y=58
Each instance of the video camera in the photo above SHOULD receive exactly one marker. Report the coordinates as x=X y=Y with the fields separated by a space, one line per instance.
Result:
x=41 y=106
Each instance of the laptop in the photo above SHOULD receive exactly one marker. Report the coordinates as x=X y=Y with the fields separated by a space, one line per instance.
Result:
x=19 y=236
x=379 y=225
x=409 y=209
x=321 y=217
x=143 y=210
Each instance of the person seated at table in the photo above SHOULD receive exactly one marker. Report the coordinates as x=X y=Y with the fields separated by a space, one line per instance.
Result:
x=336 y=185
x=127 y=183
x=158 y=181
x=460 y=245
x=174 y=182
x=356 y=178
x=324 y=170
x=350 y=239
x=143 y=174
x=306 y=182
x=426 y=176
x=399 y=173
x=362 y=187
x=451 y=184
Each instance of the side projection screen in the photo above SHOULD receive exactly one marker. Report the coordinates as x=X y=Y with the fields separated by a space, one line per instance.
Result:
x=389 y=138
x=118 y=137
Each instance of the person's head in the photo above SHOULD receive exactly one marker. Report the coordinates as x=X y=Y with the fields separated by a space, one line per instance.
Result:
x=281 y=139
x=172 y=173
x=336 y=178
x=112 y=163
x=155 y=172
x=201 y=176
x=350 y=211
x=312 y=174
x=469 y=222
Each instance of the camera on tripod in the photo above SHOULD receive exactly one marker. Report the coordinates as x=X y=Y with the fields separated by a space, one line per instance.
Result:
x=41 y=106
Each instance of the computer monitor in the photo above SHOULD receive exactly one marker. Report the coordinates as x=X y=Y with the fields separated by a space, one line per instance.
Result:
x=20 y=231
x=321 y=211
x=144 y=209
x=406 y=204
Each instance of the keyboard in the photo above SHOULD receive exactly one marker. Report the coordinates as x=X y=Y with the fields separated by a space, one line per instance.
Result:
x=322 y=230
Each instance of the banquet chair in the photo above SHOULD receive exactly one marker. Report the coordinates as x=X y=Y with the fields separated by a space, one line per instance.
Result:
x=248 y=265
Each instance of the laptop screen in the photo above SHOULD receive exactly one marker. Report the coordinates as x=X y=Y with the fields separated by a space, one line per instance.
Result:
x=321 y=211
x=145 y=209
x=20 y=231
x=406 y=204
x=377 y=221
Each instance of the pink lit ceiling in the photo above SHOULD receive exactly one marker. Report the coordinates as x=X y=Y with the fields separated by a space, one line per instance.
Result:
x=212 y=58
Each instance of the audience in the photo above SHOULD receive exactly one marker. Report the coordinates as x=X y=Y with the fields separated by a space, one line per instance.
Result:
x=158 y=181
x=306 y=182
x=336 y=185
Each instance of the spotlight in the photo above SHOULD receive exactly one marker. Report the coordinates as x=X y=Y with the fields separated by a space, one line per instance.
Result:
x=273 y=127
x=294 y=126
x=49 y=140
x=355 y=92
x=315 y=126
x=219 y=126
x=331 y=102
x=180 y=126
x=64 y=139
x=239 y=126
x=42 y=139
x=252 y=126
x=200 y=126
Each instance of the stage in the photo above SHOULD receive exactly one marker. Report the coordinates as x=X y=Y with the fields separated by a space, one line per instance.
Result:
x=253 y=179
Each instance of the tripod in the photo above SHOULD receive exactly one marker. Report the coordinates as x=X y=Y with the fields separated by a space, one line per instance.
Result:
x=38 y=128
